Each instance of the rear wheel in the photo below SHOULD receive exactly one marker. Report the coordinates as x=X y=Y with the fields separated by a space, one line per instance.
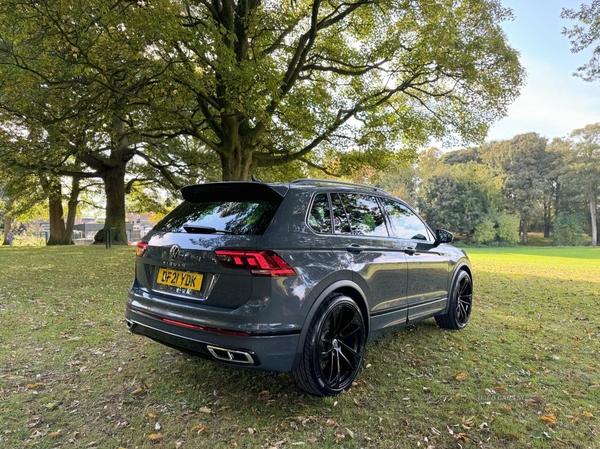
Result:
x=333 y=349
x=460 y=304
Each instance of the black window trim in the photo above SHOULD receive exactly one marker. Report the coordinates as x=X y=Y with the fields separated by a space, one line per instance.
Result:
x=309 y=209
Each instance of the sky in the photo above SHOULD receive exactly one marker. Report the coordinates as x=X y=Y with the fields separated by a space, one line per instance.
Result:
x=554 y=102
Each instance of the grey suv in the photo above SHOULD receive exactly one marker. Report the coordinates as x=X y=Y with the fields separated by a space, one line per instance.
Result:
x=293 y=277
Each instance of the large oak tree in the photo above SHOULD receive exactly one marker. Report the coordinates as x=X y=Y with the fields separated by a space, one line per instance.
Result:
x=256 y=83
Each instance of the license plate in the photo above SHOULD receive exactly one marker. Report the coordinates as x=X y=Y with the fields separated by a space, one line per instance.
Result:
x=180 y=279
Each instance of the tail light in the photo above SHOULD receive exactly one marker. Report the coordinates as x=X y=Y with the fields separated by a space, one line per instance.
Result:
x=260 y=263
x=141 y=249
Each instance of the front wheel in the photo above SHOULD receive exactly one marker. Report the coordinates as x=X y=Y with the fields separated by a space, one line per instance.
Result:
x=459 y=305
x=333 y=349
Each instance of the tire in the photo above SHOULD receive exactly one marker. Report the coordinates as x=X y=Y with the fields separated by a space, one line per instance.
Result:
x=459 y=305
x=333 y=349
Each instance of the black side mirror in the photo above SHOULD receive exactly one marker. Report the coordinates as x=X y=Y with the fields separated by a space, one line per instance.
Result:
x=443 y=236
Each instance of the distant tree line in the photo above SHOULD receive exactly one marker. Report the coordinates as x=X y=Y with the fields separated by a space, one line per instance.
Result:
x=500 y=191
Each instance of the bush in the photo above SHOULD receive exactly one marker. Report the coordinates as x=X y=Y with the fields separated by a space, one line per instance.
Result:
x=485 y=232
x=507 y=229
x=568 y=230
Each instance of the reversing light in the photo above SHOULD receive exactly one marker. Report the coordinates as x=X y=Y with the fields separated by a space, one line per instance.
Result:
x=260 y=263
x=141 y=249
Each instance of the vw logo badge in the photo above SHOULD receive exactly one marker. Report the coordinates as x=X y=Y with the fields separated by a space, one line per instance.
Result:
x=174 y=252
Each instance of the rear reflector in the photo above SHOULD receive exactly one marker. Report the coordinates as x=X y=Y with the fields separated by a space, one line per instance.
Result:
x=206 y=329
x=259 y=263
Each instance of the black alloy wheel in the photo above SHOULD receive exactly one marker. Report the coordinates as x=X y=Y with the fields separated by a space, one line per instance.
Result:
x=460 y=303
x=334 y=348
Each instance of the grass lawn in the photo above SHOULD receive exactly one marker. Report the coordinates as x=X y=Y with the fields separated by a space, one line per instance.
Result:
x=524 y=373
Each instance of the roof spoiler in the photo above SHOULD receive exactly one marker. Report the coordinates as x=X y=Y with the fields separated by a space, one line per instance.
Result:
x=233 y=191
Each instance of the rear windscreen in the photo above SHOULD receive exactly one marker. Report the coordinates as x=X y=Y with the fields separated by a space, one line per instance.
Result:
x=231 y=217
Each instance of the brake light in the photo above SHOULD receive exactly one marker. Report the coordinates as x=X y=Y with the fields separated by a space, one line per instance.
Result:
x=141 y=249
x=260 y=263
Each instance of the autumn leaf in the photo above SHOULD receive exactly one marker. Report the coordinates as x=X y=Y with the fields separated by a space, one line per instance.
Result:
x=156 y=437
x=330 y=422
x=54 y=434
x=151 y=415
x=35 y=385
x=461 y=437
x=205 y=410
x=200 y=429
x=550 y=419
x=137 y=391
x=588 y=415
x=460 y=376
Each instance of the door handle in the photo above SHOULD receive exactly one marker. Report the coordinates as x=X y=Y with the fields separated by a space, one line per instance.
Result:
x=410 y=250
x=354 y=248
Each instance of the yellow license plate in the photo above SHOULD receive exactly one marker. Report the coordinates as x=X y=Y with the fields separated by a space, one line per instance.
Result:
x=181 y=279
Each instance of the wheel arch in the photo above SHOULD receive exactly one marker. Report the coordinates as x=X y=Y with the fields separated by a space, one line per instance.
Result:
x=346 y=288
x=462 y=266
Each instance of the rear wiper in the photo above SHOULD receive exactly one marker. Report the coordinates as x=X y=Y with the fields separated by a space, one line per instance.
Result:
x=204 y=230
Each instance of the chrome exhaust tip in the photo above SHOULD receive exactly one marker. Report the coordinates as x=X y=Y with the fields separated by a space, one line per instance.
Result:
x=129 y=324
x=230 y=355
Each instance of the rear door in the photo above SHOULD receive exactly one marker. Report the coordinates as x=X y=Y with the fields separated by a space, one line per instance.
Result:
x=362 y=232
x=428 y=264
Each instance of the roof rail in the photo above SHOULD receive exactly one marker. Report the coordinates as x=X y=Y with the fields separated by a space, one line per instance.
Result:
x=311 y=181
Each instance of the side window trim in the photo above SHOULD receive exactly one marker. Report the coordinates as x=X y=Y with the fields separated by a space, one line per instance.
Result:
x=329 y=211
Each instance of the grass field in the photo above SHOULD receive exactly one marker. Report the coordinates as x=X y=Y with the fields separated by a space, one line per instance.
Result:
x=524 y=373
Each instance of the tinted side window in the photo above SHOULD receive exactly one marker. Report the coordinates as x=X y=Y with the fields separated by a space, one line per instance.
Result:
x=365 y=215
x=235 y=217
x=319 y=217
x=406 y=224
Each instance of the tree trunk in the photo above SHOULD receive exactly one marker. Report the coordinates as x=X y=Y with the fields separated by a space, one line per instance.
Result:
x=72 y=207
x=58 y=232
x=236 y=163
x=7 y=227
x=547 y=218
x=114 y=188
x=524 y=236
x=593 y=209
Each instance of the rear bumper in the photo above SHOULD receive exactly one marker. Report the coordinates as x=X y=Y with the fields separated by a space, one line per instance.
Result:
x=261 y=352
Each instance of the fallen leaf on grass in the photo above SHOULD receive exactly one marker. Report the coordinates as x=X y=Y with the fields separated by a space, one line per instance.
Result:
x=339 y=437
x=156 y=437
x=330 y=422
x=550 y=419
x=137 y=391
x=54 y=434
x=151 y=415
x=460 y=376
x=588 y=415
x=205 y=410
x=461 y=437
x=35 y=385
x=200 y=429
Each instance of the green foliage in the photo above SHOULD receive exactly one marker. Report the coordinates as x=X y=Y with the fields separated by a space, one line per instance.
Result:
x=460 y=197
x=485 y=232
x=568 y=230
x=507 y=229
x=584 y=34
